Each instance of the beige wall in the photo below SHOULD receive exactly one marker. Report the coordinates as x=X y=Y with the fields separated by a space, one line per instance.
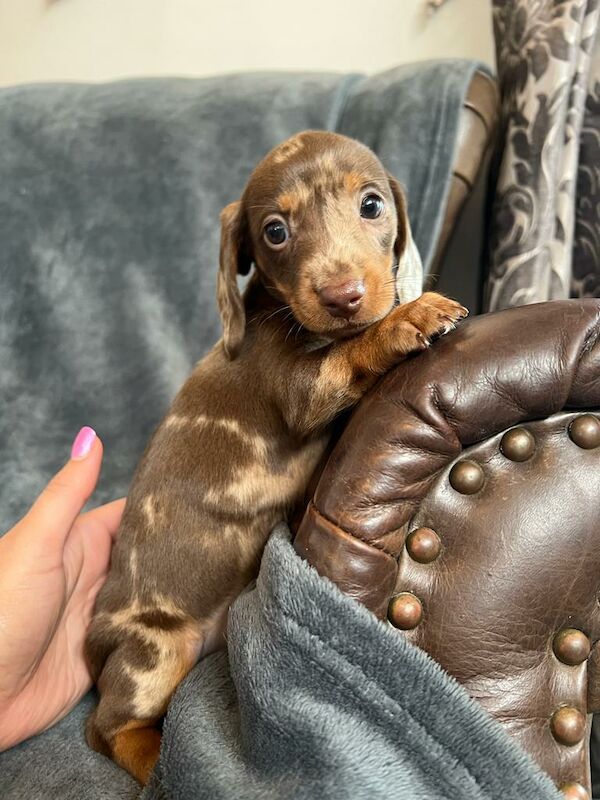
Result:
x=93 y=40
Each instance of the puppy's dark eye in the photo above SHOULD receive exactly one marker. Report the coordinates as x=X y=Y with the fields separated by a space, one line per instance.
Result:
x=276 y=232
x=371 y=206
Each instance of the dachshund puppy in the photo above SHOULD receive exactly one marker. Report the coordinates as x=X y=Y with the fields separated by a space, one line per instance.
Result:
x=325 y=228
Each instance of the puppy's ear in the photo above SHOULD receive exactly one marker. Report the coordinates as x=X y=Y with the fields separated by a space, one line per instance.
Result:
x=234 y=259
x=409 y=277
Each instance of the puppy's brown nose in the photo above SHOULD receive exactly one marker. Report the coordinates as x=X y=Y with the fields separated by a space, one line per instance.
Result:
x=342 y=300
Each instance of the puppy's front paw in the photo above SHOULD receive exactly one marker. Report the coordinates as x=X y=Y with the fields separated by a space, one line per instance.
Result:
x=410 y=328
x=433 y=314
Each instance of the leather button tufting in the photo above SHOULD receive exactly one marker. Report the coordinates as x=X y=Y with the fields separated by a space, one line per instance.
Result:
x=405 y=611
x=585 y=431
x=571 y=646
x=466 y=477
x=568 y=725
x=423 y=545
x=574 y=791
x=517 y=444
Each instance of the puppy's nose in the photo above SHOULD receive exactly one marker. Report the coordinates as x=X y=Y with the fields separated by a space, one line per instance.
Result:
x=342 y=300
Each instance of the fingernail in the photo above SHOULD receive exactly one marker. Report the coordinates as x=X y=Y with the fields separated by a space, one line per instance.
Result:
x=83 y=443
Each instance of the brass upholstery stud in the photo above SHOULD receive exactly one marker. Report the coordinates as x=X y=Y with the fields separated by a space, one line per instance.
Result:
x=568 y=725
x=585 y=431
x=466 y=477
x=571 y=646
x=574 y=791
x=423 y=545
x=405 y=611
x=517 y=444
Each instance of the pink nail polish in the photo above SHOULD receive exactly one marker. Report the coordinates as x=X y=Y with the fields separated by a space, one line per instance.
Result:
x=83 y=443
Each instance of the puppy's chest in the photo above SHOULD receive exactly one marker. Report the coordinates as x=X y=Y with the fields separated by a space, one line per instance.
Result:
x=230 y=463
x=273 y=480
x=276 y=481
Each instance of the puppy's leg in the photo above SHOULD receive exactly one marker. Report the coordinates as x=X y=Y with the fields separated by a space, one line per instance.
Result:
x=320 y=386
x=406 y=329
x=137 y=749
x=136 y=683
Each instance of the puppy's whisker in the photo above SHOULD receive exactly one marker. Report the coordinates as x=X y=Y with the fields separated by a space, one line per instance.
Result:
x=300 y=328
x=277 y=311
x=289 y=333
x=264 y=319
x=284 y=323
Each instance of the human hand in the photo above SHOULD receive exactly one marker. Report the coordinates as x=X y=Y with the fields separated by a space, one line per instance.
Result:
x=52 y=564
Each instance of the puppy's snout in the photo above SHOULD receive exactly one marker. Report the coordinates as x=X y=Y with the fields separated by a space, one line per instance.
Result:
x=342 y=300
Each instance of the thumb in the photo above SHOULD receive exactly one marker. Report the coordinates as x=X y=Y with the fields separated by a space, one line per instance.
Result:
x=54 y=512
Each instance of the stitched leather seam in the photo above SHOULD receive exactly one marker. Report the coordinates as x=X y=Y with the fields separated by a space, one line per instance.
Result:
x=353 y=535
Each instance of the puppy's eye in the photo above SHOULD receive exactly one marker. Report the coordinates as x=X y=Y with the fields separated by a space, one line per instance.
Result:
x=276 y=232
x=371 y=206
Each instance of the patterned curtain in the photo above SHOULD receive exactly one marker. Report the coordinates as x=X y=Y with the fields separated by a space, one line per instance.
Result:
x=585 y=281
x=545 y=236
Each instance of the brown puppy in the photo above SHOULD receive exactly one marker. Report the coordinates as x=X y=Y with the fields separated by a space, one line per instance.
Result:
x=325 y=227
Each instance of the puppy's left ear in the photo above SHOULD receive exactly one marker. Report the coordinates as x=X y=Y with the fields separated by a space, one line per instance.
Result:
x=409 y=277
x=234 y=260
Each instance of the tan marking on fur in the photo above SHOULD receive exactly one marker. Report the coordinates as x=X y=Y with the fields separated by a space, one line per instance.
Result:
x=136 y=748
x=133 y=564
x=254 y=440
x=257 y=487
x=149 y=509
x=177 y=653
x=246 y=540
x=326 y=167
x=178 y=650
x=176 y=421
x=290 y=202
x=287 y=149
x=353 y=181
x=124 y=615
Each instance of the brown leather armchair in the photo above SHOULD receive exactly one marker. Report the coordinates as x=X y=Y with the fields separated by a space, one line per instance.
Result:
x=462 y=504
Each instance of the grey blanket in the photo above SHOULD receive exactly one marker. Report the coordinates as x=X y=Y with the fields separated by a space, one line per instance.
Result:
x=323 y=701
x=109 y=201
x=317 y=699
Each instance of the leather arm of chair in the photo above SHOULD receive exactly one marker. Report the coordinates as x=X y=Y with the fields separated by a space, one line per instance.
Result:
x=461 y=502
